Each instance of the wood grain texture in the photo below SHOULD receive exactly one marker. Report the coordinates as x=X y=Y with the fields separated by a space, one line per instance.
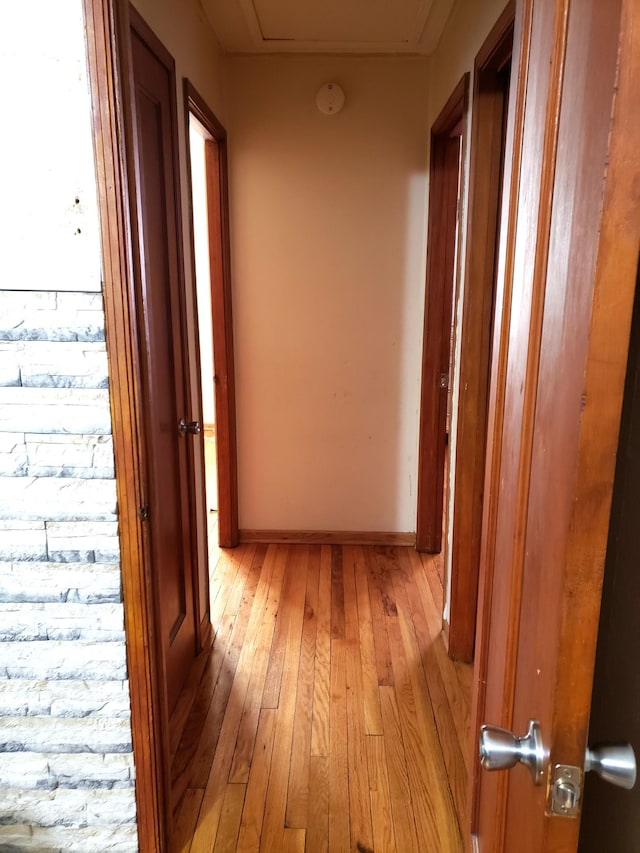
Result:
x=384 y=839
x=318 y=816
x=298 y=786
x=327 y=537
x=571 y=214
x=185 y=819
x=275 y=808
x=232 y=808
x=367 y=648
x=322 y=668
x=342 y=789
x=490 y=98
x=108 y=72
x=253 y=813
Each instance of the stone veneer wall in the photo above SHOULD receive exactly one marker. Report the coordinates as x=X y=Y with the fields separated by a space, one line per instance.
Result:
x=66 y=763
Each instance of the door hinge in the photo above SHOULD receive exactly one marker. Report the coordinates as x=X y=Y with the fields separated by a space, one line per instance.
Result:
x=566 y=790
x=443 y=381
x=143 y=512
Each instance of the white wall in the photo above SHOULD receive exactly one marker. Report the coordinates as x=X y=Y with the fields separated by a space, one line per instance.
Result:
x=47 y=184
x=328 y=258
x=67 y=772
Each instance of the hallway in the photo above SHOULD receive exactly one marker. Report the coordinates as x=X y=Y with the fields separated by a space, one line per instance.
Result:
x=328 y=715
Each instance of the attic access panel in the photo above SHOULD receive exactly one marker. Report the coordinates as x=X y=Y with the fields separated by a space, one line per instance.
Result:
x=336 y=21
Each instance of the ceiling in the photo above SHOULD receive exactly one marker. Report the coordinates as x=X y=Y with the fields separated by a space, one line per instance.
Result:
x=410 y=27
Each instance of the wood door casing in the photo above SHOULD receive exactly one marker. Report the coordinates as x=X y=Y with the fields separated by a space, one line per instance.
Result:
x=447 y=140
x=569 y=249
x=221 y=310
x=487 y=138
x=108 y=67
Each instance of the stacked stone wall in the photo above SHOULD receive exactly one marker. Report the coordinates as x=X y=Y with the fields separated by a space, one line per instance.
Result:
x=66 y=763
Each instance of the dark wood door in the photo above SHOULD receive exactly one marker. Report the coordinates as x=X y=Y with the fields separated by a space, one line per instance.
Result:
x=162 y=350
x=611 y=816
x=567 y=268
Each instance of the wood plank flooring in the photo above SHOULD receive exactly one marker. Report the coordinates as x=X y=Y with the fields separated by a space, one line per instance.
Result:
x=328 y=717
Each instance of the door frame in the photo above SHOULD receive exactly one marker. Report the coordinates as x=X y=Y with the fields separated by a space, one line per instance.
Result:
x=611 y=291
x=489 y=103
x=107 y=25
x=216 y=176
x=444 y=172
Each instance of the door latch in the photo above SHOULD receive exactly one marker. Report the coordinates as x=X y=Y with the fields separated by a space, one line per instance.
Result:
x=189 y=427
x=566 y=790
x=615 y=763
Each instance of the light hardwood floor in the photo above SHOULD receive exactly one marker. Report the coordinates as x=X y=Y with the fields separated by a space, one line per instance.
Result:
x=328 y=716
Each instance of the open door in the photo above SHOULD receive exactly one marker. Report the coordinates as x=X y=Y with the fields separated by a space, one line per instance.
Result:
x=154 y=411
x=160 y=309
x=567 y=271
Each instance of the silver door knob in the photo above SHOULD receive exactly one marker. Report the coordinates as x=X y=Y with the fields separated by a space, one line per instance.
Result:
x=615 y=763
x=500 y=749
x=189 y=427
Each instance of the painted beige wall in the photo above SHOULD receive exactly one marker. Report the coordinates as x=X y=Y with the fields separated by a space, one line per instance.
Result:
x=183 y=28
x=328 y=255
x=468 y=26
x=328 y=258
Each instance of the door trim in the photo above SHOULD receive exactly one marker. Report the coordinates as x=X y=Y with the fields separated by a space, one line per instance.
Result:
x=514 y=495
x=107 y=33
x=221 y=311
x=497 y=388
x=485 y=174
x=440 y=288
x=606 y=324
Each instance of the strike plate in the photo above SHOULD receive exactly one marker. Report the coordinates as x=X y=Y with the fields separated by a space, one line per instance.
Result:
x=566 y=790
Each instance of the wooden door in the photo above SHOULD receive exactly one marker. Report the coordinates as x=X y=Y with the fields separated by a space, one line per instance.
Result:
x=567 y=266
x=160 y=310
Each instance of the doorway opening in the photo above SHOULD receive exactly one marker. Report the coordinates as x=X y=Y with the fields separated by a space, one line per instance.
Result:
x=197 y=152
x=206 y=144
x=453 y=430
x=492 y=73
x=447 y=141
